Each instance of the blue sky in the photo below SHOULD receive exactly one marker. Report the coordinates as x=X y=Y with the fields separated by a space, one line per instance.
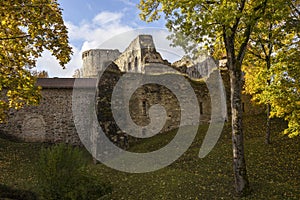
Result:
x=104 y=24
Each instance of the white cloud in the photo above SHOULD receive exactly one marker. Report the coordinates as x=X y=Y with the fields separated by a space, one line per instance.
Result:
x=127 y=2
x=105 y=18
x=90 y=35
x=78 y=32
x=51 y=65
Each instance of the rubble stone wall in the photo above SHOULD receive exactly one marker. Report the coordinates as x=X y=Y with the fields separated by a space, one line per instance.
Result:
x=52 y=120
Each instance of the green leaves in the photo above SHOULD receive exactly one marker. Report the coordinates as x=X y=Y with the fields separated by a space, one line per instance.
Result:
x=272 y=65
x=283 y=92
x=27 y=28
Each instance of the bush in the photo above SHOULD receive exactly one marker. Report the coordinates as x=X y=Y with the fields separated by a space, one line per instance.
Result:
x=61 y=175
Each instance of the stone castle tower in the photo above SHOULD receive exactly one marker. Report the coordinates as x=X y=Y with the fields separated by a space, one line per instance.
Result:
x=140 y=53
x=94 y=60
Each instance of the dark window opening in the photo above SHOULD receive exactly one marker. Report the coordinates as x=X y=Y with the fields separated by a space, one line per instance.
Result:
x=144 y=104
x=201 y=108
x=243 y=107
x=136 y=64
x=129 y=66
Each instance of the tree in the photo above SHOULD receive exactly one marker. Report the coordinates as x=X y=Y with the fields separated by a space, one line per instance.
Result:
x=27 y=27
x=40 y=74
x=206 y=22
x=261 y=52
x=283 y=91
x=266 y=61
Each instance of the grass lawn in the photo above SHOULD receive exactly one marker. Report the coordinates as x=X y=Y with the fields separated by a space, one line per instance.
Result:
x=273 y=170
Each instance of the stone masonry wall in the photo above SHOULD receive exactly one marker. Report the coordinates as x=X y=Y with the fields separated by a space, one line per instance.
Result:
x=145 y=97
x=51 y=121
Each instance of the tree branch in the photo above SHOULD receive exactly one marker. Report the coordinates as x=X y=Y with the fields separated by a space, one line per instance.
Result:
x=254 y=54
x=237 y=20
x=263 y=47
x=15 y=37
x=243 y=46
x=295 y=8
x=270 y=44
x=248 y=31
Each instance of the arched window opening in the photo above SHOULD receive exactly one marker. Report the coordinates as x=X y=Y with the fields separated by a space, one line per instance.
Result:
x=136 y=64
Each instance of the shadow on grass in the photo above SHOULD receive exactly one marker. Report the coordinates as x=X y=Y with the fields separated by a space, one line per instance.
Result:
x=6 y=136
x=10 y=193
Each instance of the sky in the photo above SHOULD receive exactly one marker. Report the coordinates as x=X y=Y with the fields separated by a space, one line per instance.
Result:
x=109 y=24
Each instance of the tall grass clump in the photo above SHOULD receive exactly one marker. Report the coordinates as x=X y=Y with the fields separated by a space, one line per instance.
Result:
x=61 y=173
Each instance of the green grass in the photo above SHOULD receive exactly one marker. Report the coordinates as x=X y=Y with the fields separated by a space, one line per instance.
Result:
x=273 y=170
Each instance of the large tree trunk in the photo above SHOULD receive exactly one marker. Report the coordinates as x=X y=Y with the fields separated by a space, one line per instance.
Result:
x=239 y=164
x=268 y=132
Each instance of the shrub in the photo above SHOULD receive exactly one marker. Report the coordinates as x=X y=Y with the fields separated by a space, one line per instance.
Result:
x=61 y=175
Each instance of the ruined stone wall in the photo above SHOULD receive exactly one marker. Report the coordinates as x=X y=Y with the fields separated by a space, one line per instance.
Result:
x=152 y=94
x=96 y=60
x=159 y=68
x=145 y=97
x=50 y=121
x=198 y=68
x=131 y=59
x=139 y=52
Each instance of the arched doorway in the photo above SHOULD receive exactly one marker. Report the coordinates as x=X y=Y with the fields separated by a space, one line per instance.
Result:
x=34 y=129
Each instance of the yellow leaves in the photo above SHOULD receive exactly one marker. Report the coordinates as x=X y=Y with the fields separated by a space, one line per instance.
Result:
x=24 y=92
x=25 y=30
x=38 y=20
x=3 y=22
x=293 y=129
x=282 y=92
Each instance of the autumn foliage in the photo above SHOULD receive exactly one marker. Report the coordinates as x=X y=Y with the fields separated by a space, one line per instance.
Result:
x=27 y=27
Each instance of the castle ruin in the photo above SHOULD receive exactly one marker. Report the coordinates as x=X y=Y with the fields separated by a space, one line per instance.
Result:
x=53 y=121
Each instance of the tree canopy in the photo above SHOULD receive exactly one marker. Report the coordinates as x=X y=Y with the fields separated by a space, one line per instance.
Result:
x=27 y=27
